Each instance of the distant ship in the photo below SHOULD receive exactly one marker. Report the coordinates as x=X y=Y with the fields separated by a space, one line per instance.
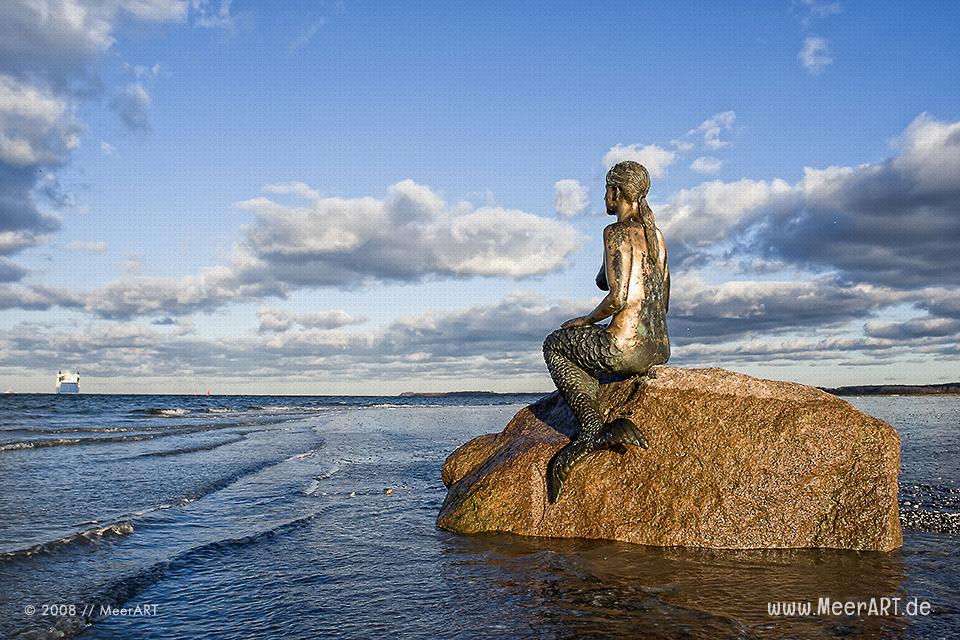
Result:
x=68 y=382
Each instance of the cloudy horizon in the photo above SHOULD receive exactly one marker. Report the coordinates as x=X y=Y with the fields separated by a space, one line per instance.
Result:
x=216 y=195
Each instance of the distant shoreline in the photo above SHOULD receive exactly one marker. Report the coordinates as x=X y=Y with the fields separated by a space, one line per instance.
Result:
x=950 y=388
x=457 y=394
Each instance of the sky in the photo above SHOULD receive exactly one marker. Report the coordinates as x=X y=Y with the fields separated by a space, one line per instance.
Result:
x=371 y=198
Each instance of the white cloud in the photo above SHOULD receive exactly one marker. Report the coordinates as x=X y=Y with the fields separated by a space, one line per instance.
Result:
x=293 y=188
x=408 y=236
x=569 y=197
x=10 y=271
x=211 y=288
x=708 y=213
x=706 y=164
x=277 y=321
x=726 y=324
x=273 y=320
x=14 y=241
x=36 y=126
x=711 y=128
x=107 y=148
x=892 y=222
x=815 y=55
x=655 y=159
x=49 y=55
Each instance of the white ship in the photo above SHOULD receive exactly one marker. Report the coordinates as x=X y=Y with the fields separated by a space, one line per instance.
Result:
x=68 y=382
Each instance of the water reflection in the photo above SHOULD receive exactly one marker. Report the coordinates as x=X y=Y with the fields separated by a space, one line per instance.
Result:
x=583 y=588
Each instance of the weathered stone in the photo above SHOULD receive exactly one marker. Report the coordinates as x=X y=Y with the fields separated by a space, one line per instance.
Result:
x=734 y=462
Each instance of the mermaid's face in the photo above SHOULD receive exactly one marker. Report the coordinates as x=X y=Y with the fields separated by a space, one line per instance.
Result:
x=610 y=200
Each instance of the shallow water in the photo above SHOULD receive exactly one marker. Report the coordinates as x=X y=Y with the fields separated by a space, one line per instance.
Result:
x=256 y=517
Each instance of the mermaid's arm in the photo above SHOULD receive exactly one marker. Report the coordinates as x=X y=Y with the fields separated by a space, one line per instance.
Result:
x=618 y=259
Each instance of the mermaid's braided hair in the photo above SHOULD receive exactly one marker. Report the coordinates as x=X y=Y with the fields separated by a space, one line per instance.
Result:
x=633 y=181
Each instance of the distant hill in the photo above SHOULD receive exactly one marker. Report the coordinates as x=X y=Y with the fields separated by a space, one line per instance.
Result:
x=459 y=394
x=446 y=394
x=895 y=389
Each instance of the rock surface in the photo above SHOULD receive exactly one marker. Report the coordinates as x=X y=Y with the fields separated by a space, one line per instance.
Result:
x=734 y=462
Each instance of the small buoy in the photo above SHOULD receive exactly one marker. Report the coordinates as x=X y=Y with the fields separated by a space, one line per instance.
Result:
x=388 y=491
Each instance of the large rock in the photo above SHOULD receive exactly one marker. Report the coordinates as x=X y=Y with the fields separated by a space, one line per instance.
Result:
x=734 y=462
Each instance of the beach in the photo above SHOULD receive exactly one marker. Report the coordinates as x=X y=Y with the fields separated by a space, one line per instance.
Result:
x=254 y=516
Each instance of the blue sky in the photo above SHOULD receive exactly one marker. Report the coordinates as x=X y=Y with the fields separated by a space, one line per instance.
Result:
x=371 y=197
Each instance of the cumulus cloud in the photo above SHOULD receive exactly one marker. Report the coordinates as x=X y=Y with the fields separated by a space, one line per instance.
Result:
x=712 y=211
x=411 y=235
x=213 y=287
x=815 y=55
x=37 y=297
x=275 y=320
x=734 y=309
x=706 y=164
x=922 y=327
x=11 y=272
x=655 y=159
x=751 y=322
x=49 y=61
x=892 y=223
x=36 y=127
x=569 y=197
x=498 y=340
x=132 y=104
x=49 y=55
x=408 y=236
x=37 y=132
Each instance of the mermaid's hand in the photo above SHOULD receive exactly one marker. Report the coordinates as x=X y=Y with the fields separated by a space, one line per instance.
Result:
x=582 y=321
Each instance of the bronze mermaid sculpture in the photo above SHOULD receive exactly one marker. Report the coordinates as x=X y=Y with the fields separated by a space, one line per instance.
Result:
x=636 y=277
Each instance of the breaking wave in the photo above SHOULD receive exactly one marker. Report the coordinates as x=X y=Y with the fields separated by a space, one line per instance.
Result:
x=87 y=536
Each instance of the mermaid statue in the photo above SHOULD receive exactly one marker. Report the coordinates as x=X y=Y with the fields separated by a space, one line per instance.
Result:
x=635 y=276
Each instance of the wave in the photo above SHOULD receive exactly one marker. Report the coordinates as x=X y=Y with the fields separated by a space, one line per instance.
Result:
x=125 y=526
x=314 y=485
x=165 y=412
x=295 y=408
x=125 y=589
x=182 y=450
x=64 y=442
x=152 y=433
x=87 y=536
x=226 y=481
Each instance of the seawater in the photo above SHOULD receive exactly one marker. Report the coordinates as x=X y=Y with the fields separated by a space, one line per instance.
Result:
x=252 y=516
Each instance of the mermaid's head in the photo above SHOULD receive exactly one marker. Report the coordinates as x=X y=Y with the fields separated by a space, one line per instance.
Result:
x=631 y=179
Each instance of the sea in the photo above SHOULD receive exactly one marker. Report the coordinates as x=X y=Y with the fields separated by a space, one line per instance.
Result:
x=313 y=517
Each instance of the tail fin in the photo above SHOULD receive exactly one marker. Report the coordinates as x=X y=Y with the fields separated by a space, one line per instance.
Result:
x=624 y=431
